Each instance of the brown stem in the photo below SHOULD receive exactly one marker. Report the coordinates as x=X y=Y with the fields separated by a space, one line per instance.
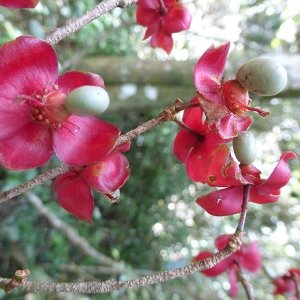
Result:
x=94 y=13
x=243 y=214
x=244 y=282
x=113 y=285
x=167 y=114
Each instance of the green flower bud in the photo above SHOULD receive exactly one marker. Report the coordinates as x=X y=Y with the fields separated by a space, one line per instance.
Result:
x=262 y=76
x=87 y=101
x=244 y=147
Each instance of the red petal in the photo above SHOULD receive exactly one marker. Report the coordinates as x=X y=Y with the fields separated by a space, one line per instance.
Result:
x=183 y=143
x=178 y=19
x=74 y=79
x=263 y=199
x=109 y=174
x=84 y=140
x=209 y=70
x=147 y=12
x=124 y=147
x=30 y=147
x=279 y=177
x=162 y=40
x=27 y=66
x=251 y=259
x=74 y=195
x=233 y=282
x=217 y=269
x=223 y=202
x=19 y=3
x=282 y=285
x=222 y=241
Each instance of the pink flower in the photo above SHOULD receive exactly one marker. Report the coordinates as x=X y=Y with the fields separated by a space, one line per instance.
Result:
x=285 y=284
x=34 y=122
x=162 y=17
x=223 y=102
x=204 y=152
x=19 y=3
x=246 y=258
x=228 y=201
x=74 y=189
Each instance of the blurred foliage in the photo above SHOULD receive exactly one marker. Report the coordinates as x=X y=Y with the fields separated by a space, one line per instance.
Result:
x=157 y=224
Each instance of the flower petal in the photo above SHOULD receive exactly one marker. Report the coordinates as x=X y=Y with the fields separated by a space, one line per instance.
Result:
x=251 y=259
x=84 y=140
x=74 y=79
x=30 y=147
x=209 y=70
x=162 y=40
x=217 y=269
x=233 y=282
x=109 y=174
x=177 y=19
x=74 y=195
x=27 y=66
x=279 y=177
x=265 y=198
x=223 y=202
x=19 y=3
x=222 y=241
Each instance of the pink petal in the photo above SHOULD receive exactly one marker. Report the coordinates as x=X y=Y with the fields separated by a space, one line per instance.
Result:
x=27 y=66
x=178 y=19
x=19 y=3
x=152 y=29
x=162 y=40
x=233 y=282
x=109 y=174
x=231 y=125
x=147 y=13
x=217 y=269
x=30 y=147
x=279 y=177
x=263 y=199
x=223 y=202
x=74 y=79
x=222 y=241
x=74 y=195
x=84 y=140
x=183 y=143
x=209 y=70
x=251 y=259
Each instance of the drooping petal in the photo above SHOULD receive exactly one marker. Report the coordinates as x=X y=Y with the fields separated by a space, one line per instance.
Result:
x=84 y=140
x=233 y=282
x=178 y=19
x=209 y=70
x=217 y=269
x=74 y=79
x=109 y=174
x=162 y=40
x=74 y=195
x=30 y=147
x=19 y=3
x=251 y=258
x=223 y=202
x=279 y=177
x=27 y=66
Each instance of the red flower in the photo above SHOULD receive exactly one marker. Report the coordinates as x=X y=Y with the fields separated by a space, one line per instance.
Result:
x=162 y=17
x=203 y=151
x=224 y=102
x=228 y=201
x=33 y=120
x=19 y=3
x=285 y=284
x=246 y=258
x=73 y=189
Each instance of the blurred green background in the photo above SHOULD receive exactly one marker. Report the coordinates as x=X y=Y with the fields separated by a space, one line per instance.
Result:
x=157 y=224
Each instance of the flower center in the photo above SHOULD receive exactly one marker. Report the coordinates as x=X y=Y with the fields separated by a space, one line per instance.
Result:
x=163 y=10
x=47 y=108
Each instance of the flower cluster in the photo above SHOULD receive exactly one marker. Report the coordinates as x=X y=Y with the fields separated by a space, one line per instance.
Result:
x=246 y=258
x=162 y=18
x=285 y=285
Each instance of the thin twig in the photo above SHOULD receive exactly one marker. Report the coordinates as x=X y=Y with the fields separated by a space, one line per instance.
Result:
x=167 y=114
x=246 y=194
x=244 y=282
x=94 y=13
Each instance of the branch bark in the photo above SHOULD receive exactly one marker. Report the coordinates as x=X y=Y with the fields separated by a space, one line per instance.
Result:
x=94 y=13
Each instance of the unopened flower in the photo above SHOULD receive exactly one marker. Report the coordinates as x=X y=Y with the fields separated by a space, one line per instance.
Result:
x=162 y=18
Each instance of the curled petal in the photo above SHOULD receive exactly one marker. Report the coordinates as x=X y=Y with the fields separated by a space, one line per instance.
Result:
x=233 y=282
x=279 y=177
x=263 y=199
x=34 y=69
x=74 y=79
x=209 y=70
x=217 y=269
x=19 y=3
x=74 y=195
x=109 y=174
x=84 y=140
x=30 y=147
x=223 y=202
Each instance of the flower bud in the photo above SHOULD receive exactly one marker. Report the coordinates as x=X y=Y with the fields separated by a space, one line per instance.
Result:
x=244 y=147
x=87 y=101
x=262 y=76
